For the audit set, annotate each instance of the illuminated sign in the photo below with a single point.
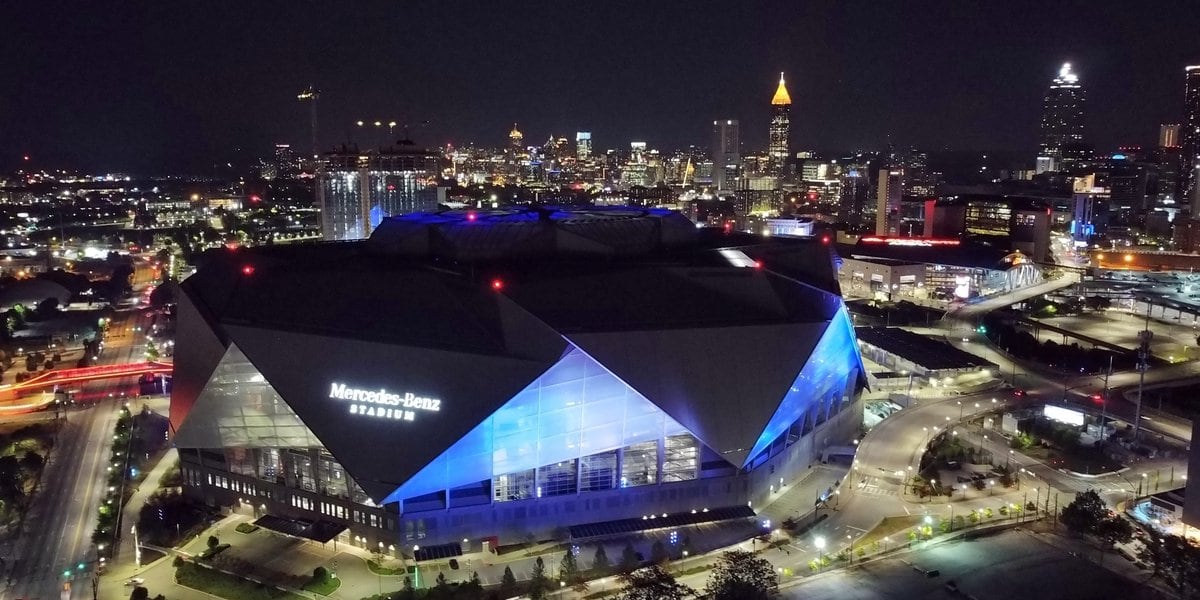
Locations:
(383, 404)
(1063, 415)
(922, 242)
(962, 286)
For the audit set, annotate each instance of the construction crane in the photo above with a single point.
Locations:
(310, 95)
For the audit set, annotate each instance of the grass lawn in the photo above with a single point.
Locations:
(228, 586)
(896, 528)
(246, 528)
(323, 588)
(149, 555)
(378, 569)
(215, 550)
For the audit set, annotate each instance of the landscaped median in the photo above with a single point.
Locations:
(912, 529)
(225, 585)
(216, 572)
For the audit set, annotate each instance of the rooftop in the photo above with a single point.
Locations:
(930, 353)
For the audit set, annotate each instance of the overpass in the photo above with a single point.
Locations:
(989, 303)
(1038, 326)
(46, 380)
(58, 377)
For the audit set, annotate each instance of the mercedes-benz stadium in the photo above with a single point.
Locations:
(497, 376)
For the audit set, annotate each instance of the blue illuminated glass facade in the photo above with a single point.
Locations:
(827, 380)
(576, 409)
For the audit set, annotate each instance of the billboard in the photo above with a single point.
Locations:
(1063, 415)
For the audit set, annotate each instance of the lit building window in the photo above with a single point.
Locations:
(514, 486)
(557, 479)
(598, 472)
(639, 464)
(680, 458)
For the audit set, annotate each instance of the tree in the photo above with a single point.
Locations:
(568, 572)
(1084, 513)
(32, 462)
(140, 593)
(441, 589)
(600, 564)
(474, 587)
(539, 584)
(213, 542)
(658, 553)
(741, 575)
(508, 584)
(10, 477)
(163, 294)
(320, 575)
(629, 559)
(652, 583)
(1021, 441)
(1114, 529)
(1176, 560)
(47, 308)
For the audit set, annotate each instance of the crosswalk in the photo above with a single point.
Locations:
(871, 489)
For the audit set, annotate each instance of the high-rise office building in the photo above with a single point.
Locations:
(887, 201)
(516, 139)
(726, 153)
(1168, 135)
(1190, 133)
(918, 179)
(1167, 158)
(583, 145)
(356, 191)
(1062, 119)
(781, 125)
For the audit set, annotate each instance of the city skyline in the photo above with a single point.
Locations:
(181, 89)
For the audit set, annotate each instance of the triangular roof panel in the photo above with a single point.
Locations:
(238, 408)
(722, 383)
(385, 411)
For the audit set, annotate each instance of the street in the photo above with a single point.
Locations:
(56, 536)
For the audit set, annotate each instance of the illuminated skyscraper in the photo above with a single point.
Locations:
(1168, 135)
(726, 154)
(1191, 129)
(356, 191)
(781, 125)
(888, 191)
(1062, 119)
(583, 145)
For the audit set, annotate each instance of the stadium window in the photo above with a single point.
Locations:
(557, 479)
(639, 465)
(598, 472)
(680, 458)
(513, 486)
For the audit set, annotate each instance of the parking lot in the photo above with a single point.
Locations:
(1003, 566)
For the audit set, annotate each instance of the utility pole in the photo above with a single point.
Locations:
(1143, 362)
(310, 95)
(1104, 406)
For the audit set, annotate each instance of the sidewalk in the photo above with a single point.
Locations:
(124, 555)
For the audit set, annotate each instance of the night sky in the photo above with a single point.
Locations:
(179, 86)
